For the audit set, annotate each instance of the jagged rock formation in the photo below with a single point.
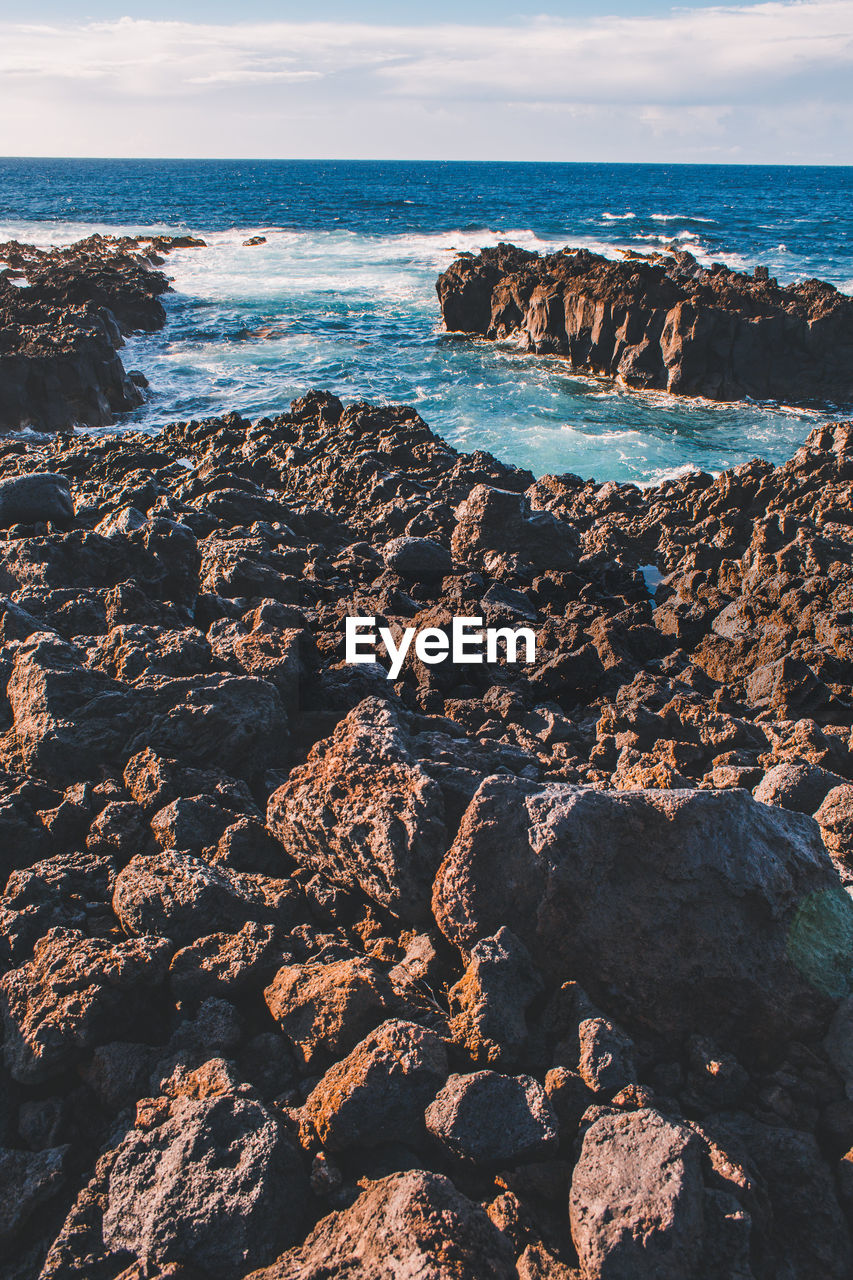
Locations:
(660, 321)
(495, 970)
(63, 314)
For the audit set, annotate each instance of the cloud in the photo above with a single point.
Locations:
(709, 71)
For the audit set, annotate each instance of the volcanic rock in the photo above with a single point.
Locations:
(59, 336)
(211, 1182)
(177, 896)
(164, 678)
(491, 1120)
(683, 904)
(407, 1225)
(35, 499)
(417, 557)
(606, 1060)
(27, 1180)
(660, 321)
(488, 1002)
(324, 1009)
(378, 1093)
(835, 818)
(363, 812)
(801, 787)
(637, 1199)
(74, 994)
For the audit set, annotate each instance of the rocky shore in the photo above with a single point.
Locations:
(64, 314)
(661, 321)
(504, 970)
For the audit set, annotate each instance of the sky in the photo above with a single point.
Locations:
(622, 80)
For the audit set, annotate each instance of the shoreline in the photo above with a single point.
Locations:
(533, 429)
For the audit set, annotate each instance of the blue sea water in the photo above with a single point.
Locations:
(342, 295)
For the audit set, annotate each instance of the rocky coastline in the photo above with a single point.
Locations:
(64, 315)
(660, 321)
(529, 971)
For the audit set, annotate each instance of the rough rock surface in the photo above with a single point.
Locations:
(683, 906)
(490, 1119)
(211, 1181)
(379, 1091)
(59, 336)
(73, 995)
(660, 320)
(410, 1225)
(219, 846)
(637, 1199)
(361, 809)
(325, 1009)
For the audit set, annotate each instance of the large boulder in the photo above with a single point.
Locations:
(412, 1226)
(27, 1180)
(35, 499)
(211, 1182)
(496, 520)
(379, 1092)
(326, 1008)
(365, 813)
(637, 1199)
(75, 994)
(682, 911)
(235, 723)
(179, 897)
(68, 722)
(488, 1002)
(490, 1120)
(835, 818)
(798, 785)
(417, 557)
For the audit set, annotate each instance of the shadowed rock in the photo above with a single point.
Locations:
(681, 903)
(660, 321)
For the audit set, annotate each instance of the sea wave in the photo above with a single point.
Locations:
(680, 217)
(355, 312)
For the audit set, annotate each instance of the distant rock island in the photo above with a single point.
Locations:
(661, 321)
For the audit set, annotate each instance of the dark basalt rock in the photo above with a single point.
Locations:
(660, 321)
(63, 317)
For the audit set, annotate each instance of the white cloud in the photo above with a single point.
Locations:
(706, 73)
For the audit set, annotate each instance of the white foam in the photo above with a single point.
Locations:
(679, 217)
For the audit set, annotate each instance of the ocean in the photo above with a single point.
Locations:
(342, 295)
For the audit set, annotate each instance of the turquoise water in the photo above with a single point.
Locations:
(342, 295)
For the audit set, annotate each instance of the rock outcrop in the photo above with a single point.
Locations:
(660, 321)
(64, 314)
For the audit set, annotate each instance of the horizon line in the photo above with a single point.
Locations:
(673, 164)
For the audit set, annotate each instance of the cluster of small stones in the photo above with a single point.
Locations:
(535, 971)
